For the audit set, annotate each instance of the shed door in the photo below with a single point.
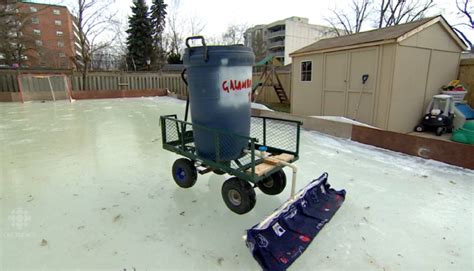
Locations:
(360, 97)
(343, 92)
(334, 87)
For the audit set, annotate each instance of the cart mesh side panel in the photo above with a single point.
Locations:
(273, 133)
(172, 134)
(256, 129)
(281, 134)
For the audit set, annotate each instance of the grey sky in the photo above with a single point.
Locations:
(217, 15)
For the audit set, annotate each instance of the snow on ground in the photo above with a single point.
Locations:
(260, 106)
(343, 119)
(87, 186)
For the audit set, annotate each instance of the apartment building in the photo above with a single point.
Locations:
(285, 36)
(40, 36)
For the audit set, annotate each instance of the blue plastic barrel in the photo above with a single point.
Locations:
(220, 88)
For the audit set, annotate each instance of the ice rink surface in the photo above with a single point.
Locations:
(87, 186)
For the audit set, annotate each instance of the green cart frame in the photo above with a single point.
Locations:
(269, 137)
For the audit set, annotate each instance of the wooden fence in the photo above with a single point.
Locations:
(97, 81)
(111, 81)
(267, 94)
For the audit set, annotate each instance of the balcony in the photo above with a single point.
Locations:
(276, 54)
(276, 44)
(279, 33)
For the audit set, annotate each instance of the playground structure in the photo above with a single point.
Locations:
(270, 78)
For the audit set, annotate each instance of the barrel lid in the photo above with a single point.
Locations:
(211, 55)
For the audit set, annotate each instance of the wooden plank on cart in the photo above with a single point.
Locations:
(275, 160)
(271, 162)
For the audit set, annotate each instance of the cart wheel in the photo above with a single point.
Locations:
(238, 195)
(184, 173)
(218, 172)
(274, 184)
(440, 131)
(419, 128)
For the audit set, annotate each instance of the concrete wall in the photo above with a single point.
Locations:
(428, 148)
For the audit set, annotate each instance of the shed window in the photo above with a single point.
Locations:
(306, 70)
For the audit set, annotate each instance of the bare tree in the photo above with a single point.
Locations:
(350, 21)
(465, 10)
(394, 12)
(180, 26)
(234, 34)
(383, 12)
(96, 24)
(196, 25)
(175, 29)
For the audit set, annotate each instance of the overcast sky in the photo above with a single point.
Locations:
(217, 15)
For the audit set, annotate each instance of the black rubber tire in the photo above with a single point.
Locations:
(440, 131)
(419, 128)
(238, 195)
(218, 172)
(184, 173)
(274, 184)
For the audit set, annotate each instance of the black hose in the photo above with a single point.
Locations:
(187, 95)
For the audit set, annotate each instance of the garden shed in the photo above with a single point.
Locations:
(406, 65)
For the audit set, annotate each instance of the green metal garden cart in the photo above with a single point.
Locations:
(273, 144)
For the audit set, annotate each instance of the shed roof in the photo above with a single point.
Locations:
(386, 34)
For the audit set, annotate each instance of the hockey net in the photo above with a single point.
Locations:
(44, 87)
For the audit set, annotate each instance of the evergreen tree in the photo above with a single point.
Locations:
(174, 58)
(139, 40)
(158, 15)
(258, 45)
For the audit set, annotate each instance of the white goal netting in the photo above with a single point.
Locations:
(49, 87)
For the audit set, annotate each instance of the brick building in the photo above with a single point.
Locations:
(44, 35)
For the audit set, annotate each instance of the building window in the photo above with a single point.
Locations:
(306, 70)
(62, 54)
(33, 9)
(36, 31)
(59, 33)
(35, 20)
(58, 22)
(60, 44)
(39, 43)
(56, 12)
